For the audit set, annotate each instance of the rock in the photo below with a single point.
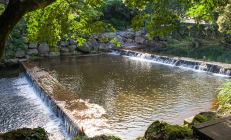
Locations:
(111, 36)
(130, 30)
(140, 33)
(188, 120)
(20, 53)
(33, 45)
(139, 40)
(129, 41)
(32, 52)
(10, 62)
(27, 57)
(121, 33)
(130, 35)
(64, 43)
(72, 48)
(162, 39)
(110, 45)
(103, 47)
(52, 54)
(93, 44)
(44, 49)
(120, 39)
(72, 41)
(163, 131)
(64, 50)
(84, 48)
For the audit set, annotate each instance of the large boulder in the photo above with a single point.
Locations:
(64, 43)
(72, 48)
(64, 50)
(110, 45)
(131, 35)
(120, 39)
(103, 47)
(33, 45)
(122, 34)
(129, 41)
(72, 41)
(84, 48)
(139, 40)
(140, 33)
(44, 49)
(32, 52)
(10, 62)
(93, 44)
(110, 36)
(53, 54)
(20, 53)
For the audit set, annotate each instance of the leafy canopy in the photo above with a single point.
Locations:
(81, 18)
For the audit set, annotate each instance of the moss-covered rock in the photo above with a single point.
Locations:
(199, 119)
(224, 111)
(163, 131)
(101, 137)
(25, 134)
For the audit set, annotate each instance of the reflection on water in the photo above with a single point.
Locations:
(133, 92)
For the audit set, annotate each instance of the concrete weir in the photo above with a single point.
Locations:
(211, 67)
(78, 115)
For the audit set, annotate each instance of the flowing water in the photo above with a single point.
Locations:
(21, 107)
(134, 92)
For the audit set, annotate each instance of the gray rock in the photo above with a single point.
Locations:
(130, 30)
(27, 57)
(20, 53)
(162, 39)
(93, 44)
(32, 52)
(139, 40)
(130, 35)
(120, 39)
(10, 62)
(122, 34)
(72, 48)
(44, 49)
(64, 43)
(72, 41)
(84, 48)
(110, 45)
(111, 36)
(33, 46)
(102, 47)
(129, 41)
(52, 54)
(64, 50)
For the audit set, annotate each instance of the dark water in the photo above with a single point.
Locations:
(134, 92)
(205, 54)
(21, 107)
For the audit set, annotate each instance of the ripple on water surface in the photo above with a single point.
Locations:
(21, 107)
(133, 92)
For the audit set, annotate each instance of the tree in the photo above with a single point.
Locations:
(48, 20)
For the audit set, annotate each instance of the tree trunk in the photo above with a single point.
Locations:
(15, 10)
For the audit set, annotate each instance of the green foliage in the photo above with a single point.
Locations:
(102, 137)
(225, 95)
(117, 14)
(2, 8)
(57, 20)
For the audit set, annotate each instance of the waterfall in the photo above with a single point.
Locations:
(71, 129)
(212, 67)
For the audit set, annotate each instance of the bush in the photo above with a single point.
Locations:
(225, 95)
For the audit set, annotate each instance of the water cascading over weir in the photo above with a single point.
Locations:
(194, 64)
(77, 115)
